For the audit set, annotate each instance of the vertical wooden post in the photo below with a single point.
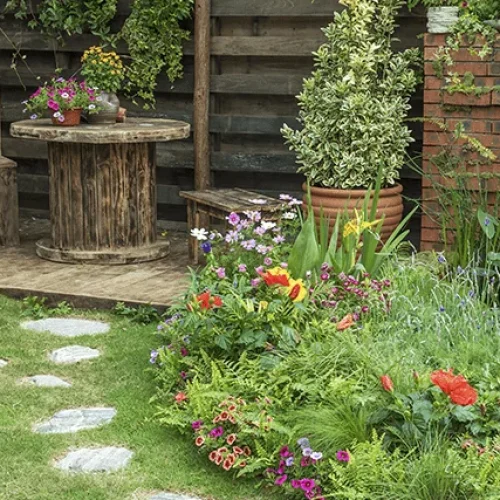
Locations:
(9, 209)
(201, 94)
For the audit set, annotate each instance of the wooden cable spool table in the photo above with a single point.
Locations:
(102, 190)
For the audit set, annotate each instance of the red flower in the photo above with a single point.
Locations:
(227, 464)
(224, 416)
(199, 441)
(218, 459)
(213, 456)
(231, 439)
(455, 386)
(237, 450)
(207, 301)
(276, 276)
(464, 395)
(386, 382)
(247, 451)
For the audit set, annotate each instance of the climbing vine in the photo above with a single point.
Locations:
(153, 32)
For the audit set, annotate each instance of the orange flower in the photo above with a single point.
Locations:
(213, 456)
(208, 301)
(386, 382)
(227, 464)
(455, 386)
(224, 416)
(237, 450)
(346, 322)
(232, 408)
(231, 439)
(199, 441)
(464, 395)
(180, 397)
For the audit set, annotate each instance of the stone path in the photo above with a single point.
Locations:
(82, 460)
(67, 327)
(76, 420)
(73, 354)
(46, 381)
(107, 459)
(3, 363)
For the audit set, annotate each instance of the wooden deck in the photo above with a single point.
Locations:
(158, 283)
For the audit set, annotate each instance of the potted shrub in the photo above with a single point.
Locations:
(103, 71)
(353, 110)
(64, 100)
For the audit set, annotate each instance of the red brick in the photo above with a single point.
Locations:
(433, 125)
(460, 99)
(464, 55)
(432, 96)
(433, 83)
(433, 40)
(476, 68)
(491, 113)
(430, 222)
(437, 138)
(429, 246)
(429, 69)
(430, 235)
(495, 98)
(470, 126)
(433, 111)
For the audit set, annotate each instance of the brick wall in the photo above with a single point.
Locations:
(480, 116)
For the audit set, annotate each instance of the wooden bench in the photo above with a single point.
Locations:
(9, 208)
(219, 203)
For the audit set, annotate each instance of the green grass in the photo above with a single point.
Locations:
(163, 460)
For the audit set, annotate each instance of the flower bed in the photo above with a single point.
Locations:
(332, 384)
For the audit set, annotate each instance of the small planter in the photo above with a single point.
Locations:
(441, 19)
(109, 114)
(336, 202)
(72, 118)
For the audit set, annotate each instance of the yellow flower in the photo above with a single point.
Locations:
(113, 72)
(358, 225)
(296, 290)
(263, 305)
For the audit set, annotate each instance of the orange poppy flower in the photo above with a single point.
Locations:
(346, 322)
(276, 276)
(208, 301)
(386, 382)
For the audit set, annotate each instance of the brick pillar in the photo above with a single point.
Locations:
(480, 115)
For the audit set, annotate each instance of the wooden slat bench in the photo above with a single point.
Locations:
(9, 208)
(219, 203)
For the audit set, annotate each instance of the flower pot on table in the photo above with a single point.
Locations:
(108, 115)
(70, 118)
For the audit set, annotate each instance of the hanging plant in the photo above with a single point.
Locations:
(154, 37)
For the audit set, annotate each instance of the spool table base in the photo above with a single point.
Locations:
(133, 255)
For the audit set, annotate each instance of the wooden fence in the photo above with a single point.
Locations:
(261, 51)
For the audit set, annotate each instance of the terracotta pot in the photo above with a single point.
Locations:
(338, 201)
(72, 118)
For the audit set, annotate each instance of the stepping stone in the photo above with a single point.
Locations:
(47, 381)
(3, 363)
(76, 420)
(106, 459)
(172, 496)
(67, 327)
(73, 354)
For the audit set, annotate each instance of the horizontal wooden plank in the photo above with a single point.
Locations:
(283, 8)
(273, 46)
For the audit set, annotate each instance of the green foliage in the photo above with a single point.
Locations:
(143, 315)
(353, 244)
(435, 3)
(154, 37)
(353, 107)
(35, 307)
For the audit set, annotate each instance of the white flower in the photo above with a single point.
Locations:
(199, 234)
(289, 215)
(57, 114)
(98, 98)
(294, 201)
(285, 197)
(91, 106)
(267, 225)
(65, 95)
(258, 201)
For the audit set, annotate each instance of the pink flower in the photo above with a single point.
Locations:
(295, 483)
(184, 352)
(53, 105)
(280, 480)
(285, 452)
(343, 456)
(307, 484)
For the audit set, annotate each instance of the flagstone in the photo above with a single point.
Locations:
(106, 459)
(73, 354)
(67, 327)
(70, 421)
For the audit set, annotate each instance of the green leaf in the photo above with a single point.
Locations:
(305, 254)
(488, 223)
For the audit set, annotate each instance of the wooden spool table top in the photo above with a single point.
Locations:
(134, 130)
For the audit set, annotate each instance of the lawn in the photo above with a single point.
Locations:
(119, 378)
